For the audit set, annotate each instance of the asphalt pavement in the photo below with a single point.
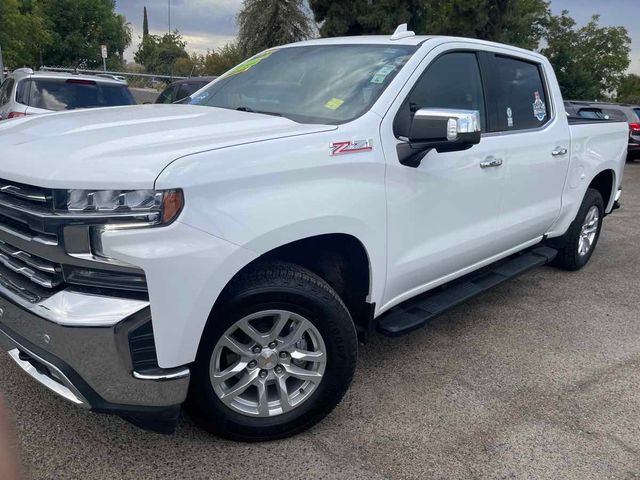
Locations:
(539, 378)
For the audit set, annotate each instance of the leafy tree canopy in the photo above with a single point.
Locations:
(223, 59)
(22, 33)
(268, 23)
(589, 61)
(362, 17)
(79, 27)
(515, 22)
(159, 53)
(629, 89)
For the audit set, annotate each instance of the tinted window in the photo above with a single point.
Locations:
(167, 95)
(521, 101)
(5, 91)
(328, 84)
(637, 110)
(593, 113)
(452, 81)
(611, 114)
(56, 95)
(187, 89)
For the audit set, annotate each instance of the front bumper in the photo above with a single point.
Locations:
(91, 366)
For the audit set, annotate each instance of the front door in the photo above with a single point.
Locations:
(442, 215)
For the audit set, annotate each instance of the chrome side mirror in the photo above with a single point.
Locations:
(445, 130)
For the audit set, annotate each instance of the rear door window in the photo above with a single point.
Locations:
(60, 94)
(520, 96)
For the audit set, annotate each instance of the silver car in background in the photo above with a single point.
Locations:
(26, 92)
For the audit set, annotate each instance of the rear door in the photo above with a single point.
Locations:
(534, 144)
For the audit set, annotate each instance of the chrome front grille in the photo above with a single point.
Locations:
(36, 195)
(44, 248)
(40, 271)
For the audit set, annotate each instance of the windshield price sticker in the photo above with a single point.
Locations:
(243, 67)
(334, 104)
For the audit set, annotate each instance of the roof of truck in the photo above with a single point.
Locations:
(409, 39)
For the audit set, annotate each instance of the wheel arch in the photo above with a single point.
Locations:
(340, 259)
(605, 183)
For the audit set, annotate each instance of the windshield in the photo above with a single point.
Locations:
(329, 84)
(60, 94)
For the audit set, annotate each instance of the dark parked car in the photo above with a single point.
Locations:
(183, 88)
(610, 111)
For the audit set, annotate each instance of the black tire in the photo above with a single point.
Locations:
(276, 285)
(568, 257)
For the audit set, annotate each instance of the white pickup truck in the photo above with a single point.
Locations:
(229, 253)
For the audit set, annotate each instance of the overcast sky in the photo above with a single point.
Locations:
(209, 24)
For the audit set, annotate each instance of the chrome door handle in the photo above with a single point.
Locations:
(559, 152)
(491, 162)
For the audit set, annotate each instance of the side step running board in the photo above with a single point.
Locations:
(417, 312)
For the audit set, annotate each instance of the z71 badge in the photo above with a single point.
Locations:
(356, 146)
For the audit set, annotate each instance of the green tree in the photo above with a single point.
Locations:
(515, 22)
(79, 27)
(159, 54)
(629, 89)
(268, 23)
(22, 33)
(589, 61)
(361, 17)
(225, 58)
(145, 24)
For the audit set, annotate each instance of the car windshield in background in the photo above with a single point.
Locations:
(328, 84)
(61, 94)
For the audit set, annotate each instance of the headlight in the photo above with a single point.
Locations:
(157, 207)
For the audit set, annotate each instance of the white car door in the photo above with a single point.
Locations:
(534, 138)
(442, 215)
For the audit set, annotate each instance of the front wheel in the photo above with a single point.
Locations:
(578, 244)
(276, 357)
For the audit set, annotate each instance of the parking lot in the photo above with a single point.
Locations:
(539, 378)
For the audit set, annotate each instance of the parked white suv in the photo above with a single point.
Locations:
(26, 92)
(231, 252)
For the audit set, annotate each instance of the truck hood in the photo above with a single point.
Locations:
(126, 147)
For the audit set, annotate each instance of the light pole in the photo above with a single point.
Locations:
(169, 5)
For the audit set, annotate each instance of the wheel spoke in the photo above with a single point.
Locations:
(281, 386)
(305, 356)
(296, 334)
(281, 321)
(230, 372)
(244, 383)
(255, 335)
(235, 346)
(302, 374)
(263, 405)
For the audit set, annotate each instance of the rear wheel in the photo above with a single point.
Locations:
(276, 358)
(578, 244)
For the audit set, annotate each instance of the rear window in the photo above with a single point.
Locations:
(637, 110)
(58, 95)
